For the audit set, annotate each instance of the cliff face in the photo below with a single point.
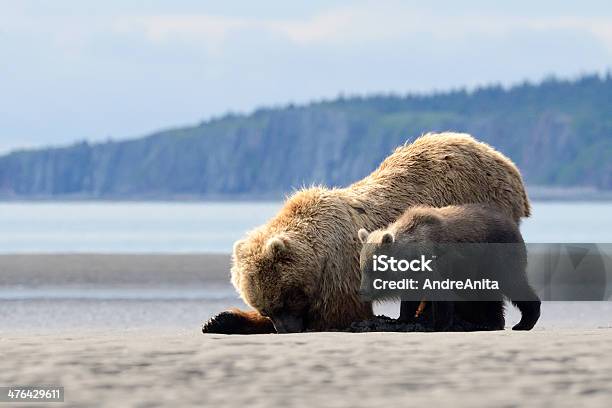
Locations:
(558, 133)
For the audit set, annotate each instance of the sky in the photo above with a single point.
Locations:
(115, 69)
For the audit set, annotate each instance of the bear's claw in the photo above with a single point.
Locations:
(238, 322)
(223, 323)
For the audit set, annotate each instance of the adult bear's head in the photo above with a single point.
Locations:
(301, 268)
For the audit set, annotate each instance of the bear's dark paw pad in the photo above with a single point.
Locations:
(224, 323)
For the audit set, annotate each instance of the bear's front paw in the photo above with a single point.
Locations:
(224, 323)
(238, 322)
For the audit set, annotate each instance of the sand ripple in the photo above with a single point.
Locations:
(146, 369)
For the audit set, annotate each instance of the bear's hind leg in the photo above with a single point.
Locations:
(530, 313)
(235, 321)
(529, 303)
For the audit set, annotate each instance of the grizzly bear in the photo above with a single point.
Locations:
(300, 271)
(470, 241)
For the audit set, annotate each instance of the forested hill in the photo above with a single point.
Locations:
(558, 132)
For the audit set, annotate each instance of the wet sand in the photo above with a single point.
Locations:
(113, 269)
(136, 343)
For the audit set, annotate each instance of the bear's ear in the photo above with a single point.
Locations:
(276, 245)
(363, 235)
(237, 251)
(387, 238)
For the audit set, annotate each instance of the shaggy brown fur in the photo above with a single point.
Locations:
(421, 227)
(301, 269)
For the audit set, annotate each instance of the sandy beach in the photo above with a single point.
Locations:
(149, 369)
(125, 331)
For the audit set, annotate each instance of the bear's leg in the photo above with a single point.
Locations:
(408, 309)
(529, 303)
(530, 313)
(237, 321)
(442, 314)
(529, 307)
(515, 286)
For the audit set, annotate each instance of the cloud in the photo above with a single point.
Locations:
(362, 22)
(323, 28)
(88, 71)
(365, 22)
(208, 29)
(598, 27)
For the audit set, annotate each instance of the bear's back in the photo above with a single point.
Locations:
(439, 169)
(461, 223)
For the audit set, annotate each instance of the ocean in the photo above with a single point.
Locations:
(169, 227)
(133, 300)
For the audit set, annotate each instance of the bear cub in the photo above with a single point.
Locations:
(448, 233)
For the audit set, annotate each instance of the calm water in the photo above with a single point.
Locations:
(206, 227)
(127, 227)
(213, 227)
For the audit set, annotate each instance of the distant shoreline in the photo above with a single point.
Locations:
(548, 193)
(536, 193)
